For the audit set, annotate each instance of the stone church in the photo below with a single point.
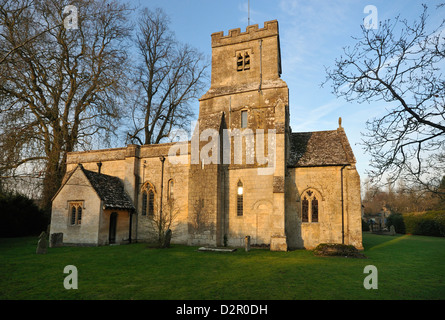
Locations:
(242, 173)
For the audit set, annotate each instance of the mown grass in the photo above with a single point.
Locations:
(409, 267)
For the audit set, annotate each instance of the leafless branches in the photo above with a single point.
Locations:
(400, 64)
(169, 77)
(163, 221)
(61, 89)
(58, 87)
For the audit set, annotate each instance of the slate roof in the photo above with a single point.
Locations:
(320, 148)
(110, 190)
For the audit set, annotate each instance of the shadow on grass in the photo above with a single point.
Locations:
(371, 243)
(391, 240)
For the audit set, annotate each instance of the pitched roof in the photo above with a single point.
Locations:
(320, 148)
(109, 189)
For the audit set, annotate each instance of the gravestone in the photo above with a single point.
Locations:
(168, 237)
(42, 245)
(392, 231)
(247, 243)
(56, 240)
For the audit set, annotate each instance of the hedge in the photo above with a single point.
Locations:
(431, 223)
(20, 216)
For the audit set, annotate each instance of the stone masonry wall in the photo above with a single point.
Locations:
(77, 190)
(326, 183)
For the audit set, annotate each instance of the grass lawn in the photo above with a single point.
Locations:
(409, 267)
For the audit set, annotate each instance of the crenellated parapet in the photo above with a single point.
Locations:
(252, 32)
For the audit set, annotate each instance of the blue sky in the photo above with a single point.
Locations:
(312, 35)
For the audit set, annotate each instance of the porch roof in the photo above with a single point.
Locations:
(110, 190)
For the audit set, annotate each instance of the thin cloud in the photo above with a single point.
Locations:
(317, 117)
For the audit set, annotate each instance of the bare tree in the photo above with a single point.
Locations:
(169, 77)
(399, 199)
(11, 12)
(163, 221)
(200, 218)
(61, 88)
(401, 64)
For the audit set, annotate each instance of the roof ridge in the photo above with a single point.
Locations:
(299, 132)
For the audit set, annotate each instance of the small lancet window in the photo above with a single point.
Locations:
(151, 197)
(314, 209)
(244, 119)
(305, 210)
(79, 215)
(144, 203)
(170, 189)
(239, 199)
(73, 215)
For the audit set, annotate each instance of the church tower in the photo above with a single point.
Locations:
(237, 184)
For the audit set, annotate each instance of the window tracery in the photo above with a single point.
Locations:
(310, 206)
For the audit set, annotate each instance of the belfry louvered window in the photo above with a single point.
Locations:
(243, 60)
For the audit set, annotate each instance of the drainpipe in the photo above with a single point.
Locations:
(342, 208)
(162, 158)
(137, 193)
(261, 64)
(131, 223)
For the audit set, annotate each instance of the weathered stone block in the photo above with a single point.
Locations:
(42, 245)
(278, 243)
(56, 240)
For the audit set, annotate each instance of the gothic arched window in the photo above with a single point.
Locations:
(148, 196)
(310, 208)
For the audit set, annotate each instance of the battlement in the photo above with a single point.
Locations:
(252, 33)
